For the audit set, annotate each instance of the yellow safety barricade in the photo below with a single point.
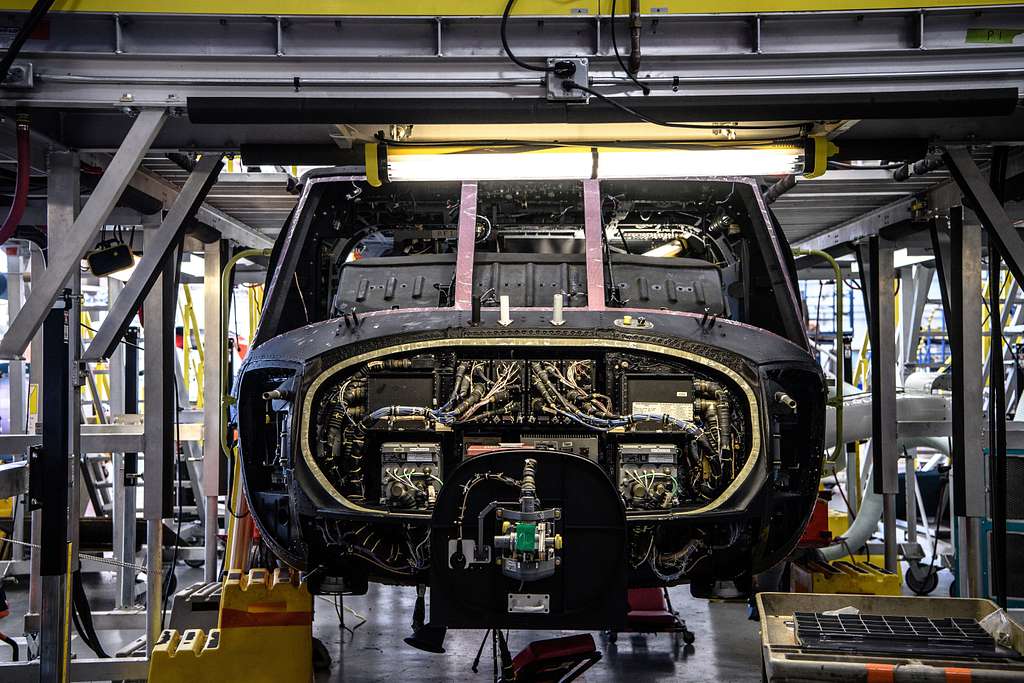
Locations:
(264, 634)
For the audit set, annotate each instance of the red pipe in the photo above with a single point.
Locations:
(17, 209)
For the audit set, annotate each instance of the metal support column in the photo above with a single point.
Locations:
(16, 369)
(35, 382)
(126, 478)
(17, 405)
(159, 462)
(54, 488)
(964, 323)
(997, 399)
(213, 345)
(883, 388)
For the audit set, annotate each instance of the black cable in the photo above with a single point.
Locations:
(657, 122)
(508, 50)
(122, 341)
(81, 614)
(39, 10)
(632, 145)
(615, 46)
(177, 533)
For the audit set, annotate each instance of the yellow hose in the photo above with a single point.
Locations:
(225, 307)
(838, 400)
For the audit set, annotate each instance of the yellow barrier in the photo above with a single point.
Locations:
(842, 576)
(264, 635)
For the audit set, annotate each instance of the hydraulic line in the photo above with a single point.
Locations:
(225, 304)
(838, 400)
(17, 210)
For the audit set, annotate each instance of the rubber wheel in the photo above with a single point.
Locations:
(689, 637)
(922, 585)
(321, 657)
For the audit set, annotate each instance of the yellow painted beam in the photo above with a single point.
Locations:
(492, 8)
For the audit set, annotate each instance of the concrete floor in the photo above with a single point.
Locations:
(727, 646)
(726, 649)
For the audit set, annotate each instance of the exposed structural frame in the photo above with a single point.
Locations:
(877, 278)
(900, 214)
(158, 249)
(83, 233)
(127, 59)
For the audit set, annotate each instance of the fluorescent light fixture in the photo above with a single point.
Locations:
(454, 163)
(521, 162)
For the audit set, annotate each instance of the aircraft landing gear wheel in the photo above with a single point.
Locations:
(922, 579)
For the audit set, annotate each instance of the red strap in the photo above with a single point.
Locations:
(881, 673)
(236, 618)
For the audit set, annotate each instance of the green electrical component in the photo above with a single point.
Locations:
(526, 537)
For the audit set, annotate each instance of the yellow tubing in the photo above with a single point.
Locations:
(225, 306)
(838, 400)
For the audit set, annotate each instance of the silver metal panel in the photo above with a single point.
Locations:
(13, 479)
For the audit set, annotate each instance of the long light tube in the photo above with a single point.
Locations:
(579, 163)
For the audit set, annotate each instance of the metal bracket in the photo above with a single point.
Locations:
(556, 90)
(35, 478)
(20, 76)
(529, 603)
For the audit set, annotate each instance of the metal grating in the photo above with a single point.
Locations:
(839, 196)
(897, 634)
(260, 200)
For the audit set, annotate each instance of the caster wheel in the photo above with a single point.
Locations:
(923, 580)
(689, 637)
(321, 657)
(613, 637)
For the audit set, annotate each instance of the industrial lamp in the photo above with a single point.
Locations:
(111, 258)
(550, 162)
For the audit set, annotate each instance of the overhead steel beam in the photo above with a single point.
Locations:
(871, 223)
(158, 248)
(827, 55)
(35, 214)
(83, 233)
(988, 208)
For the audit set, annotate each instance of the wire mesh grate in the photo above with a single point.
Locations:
(897, 634)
